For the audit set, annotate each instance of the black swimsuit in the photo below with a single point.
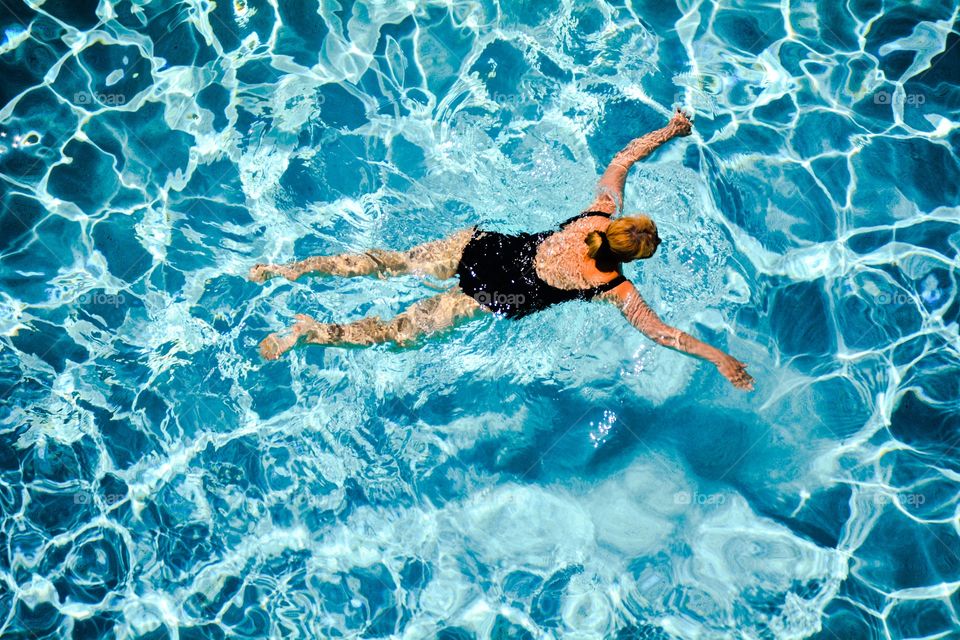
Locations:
(498, 271)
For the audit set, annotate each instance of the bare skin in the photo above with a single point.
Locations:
(562, 261)
(436, 259)
(426, 316)
(641, 316)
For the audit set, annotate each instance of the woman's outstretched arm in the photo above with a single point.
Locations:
(641, 316)
(610, 188)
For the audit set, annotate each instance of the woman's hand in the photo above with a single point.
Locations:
(736, 372)
(680, 124)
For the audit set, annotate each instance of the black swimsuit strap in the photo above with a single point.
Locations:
(585, 214)
(606, 286)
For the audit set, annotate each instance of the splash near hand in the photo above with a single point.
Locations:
(680, 123)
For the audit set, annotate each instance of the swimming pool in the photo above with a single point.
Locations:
(560, 476)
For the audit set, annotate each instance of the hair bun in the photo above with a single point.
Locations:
(595, 241)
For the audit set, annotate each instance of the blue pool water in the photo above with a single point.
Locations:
(556, 477)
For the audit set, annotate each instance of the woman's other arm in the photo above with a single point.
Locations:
(610, 188)
(641, 316)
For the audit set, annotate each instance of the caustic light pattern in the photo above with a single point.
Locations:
(555, 477)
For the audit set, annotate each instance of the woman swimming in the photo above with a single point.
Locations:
(512, 275)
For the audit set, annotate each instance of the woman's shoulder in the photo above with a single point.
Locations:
(618, 289)
(584, 214)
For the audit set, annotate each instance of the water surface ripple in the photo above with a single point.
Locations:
(558, 477)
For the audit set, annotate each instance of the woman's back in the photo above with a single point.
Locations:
(502, 272)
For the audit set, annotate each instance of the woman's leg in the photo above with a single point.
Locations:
(438, 259)
(421, 318)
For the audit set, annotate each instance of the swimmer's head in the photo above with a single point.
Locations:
(626, 239)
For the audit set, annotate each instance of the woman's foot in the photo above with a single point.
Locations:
(263, 272)
(275, 345)
(305, 328)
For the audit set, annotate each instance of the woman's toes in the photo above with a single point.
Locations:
(264, 272)
(275, 345)
(270, 348)
(257, 273)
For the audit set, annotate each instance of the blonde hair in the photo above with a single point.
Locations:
(625, 239)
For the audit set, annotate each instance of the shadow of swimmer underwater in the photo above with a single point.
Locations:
(512, 275)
